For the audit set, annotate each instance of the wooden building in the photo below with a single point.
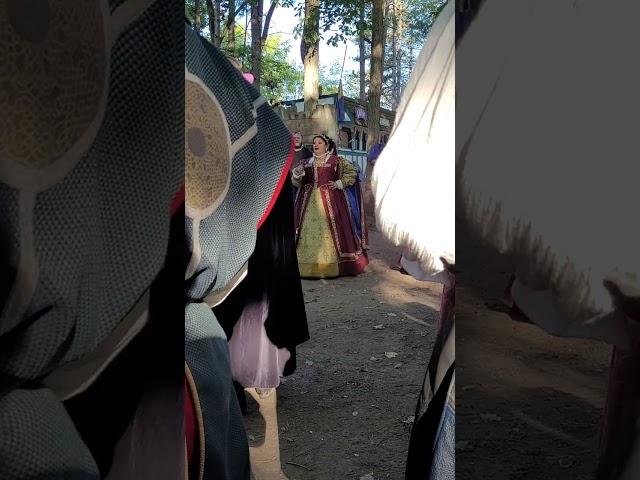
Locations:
(349, 134)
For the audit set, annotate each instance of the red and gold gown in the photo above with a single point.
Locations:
(327, 241)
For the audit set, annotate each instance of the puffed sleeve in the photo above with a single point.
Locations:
(349, 174)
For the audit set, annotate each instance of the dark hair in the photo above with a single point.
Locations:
(324, 138)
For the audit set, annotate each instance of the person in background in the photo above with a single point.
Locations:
(355, 199)
(326, 239)
(301, 153)
(375, 151)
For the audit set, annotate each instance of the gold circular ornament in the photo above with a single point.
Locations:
(207, 149)
(53, 77)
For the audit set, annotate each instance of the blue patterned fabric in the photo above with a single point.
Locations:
(354, 196)
(444, 456)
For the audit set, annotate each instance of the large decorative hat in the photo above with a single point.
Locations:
(236, 152)
(91, 158)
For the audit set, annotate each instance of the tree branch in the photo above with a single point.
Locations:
(267, 20)
(239, 10)
(197, 21)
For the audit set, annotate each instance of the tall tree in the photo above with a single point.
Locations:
(375, 84)
(363, 54)
(213, 9)
(375, 91)
(267, 20)
(197, 23)
(397, 22)
(256, 40)
(310, 53)
(231, 26)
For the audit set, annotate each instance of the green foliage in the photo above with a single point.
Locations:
(340, 21)
(280, 80)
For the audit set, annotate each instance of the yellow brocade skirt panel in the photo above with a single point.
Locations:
(317, 255)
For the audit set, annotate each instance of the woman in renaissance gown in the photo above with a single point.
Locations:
(328, 244)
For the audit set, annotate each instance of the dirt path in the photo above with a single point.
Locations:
(528, 405)
(342, 414)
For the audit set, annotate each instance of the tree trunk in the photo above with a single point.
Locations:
(310, 47)
(231, 26)
(267, 21)
(410, 58)
(394, 48)
(375, 83)
(363, 56)
(375, 90)
(256, 40)
(246, 29)
(197, 23)
(213, 9)
(398, 36)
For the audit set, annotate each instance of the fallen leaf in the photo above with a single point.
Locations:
(391, 315)
(368, 476)
(409, 420)
(355, 414)
(378, 327)
(390, 354)
(373, 359)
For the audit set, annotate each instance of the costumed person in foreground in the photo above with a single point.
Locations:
(327, 241)
(264, 319)
(575, 262)
(91, 241)
(422, 221)
(232, 188)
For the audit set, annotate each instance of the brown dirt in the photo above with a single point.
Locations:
(319, 429)
(528, 404)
